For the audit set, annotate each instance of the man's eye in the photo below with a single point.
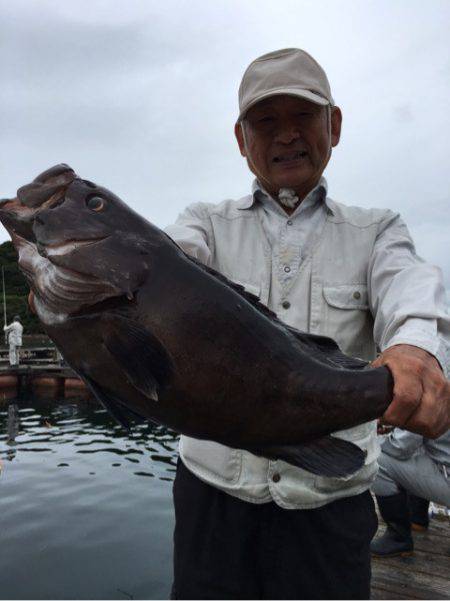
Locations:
(266, 119)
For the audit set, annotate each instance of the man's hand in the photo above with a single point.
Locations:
(421, 401)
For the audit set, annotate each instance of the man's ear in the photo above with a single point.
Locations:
(336, 125)
(240, 138)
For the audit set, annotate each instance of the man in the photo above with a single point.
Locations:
(14, 332)
(409, 463)
(247, 527)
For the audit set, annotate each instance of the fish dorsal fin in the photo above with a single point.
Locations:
(141, 356)
(327, 456)
(322, 348)
(251, 298)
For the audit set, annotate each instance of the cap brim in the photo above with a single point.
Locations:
(305, 94)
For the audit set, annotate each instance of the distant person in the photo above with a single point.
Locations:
(409, 463)
(14, 332)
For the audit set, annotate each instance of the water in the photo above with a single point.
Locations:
(85, 509)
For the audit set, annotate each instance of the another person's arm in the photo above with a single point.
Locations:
(412, 329)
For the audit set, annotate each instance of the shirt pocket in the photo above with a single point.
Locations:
(347, 319)
(347, 296)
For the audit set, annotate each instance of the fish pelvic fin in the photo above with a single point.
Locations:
(145, 362)
(328, 456)
(124, 416)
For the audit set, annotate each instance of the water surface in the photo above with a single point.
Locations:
(85, 508)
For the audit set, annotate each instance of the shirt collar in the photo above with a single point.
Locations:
(258, 192)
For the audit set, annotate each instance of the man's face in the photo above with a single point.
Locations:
(288, 142)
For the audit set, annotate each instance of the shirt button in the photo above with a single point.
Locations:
(289, 221)
(357, 295)
(285, 304)
(287, 269)
(276, 478)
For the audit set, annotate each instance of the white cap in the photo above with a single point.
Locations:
(289, 71)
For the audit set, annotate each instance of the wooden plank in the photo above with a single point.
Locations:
(378, 592)
(420, 562)
(416, 585)
(424, 575)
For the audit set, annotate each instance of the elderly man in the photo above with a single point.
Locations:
(247, 527)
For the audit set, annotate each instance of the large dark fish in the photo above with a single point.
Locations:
(158, 335)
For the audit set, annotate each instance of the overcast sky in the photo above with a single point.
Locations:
(141, 96)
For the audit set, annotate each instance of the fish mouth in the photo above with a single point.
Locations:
(60, 292)
(61, 249)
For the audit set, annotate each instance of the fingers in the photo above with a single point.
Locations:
(431, 418)
(408, 390)
(421, 400)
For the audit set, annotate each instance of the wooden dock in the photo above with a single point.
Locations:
(40, 367)
(424, 575)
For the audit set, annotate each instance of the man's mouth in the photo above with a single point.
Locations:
(288, 157)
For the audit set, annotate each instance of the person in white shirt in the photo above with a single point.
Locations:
(248, 527)
(14, 333)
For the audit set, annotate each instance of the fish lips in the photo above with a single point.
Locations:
(47, 184)
(17, 219)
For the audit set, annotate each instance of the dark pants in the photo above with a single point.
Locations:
(229, 549)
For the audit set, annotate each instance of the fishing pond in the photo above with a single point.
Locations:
(85, 507)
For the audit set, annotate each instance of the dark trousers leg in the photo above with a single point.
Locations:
(214, 542)
(225, 548)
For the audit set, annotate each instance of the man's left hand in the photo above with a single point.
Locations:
(421, 400)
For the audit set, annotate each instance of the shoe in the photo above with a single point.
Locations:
(397, 539)
(418, 511)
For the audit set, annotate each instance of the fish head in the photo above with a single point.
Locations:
(78, 243)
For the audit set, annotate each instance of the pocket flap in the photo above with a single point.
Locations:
(348, 296)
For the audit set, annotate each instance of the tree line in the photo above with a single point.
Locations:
(16, 291)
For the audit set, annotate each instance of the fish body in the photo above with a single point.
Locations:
(158, 335)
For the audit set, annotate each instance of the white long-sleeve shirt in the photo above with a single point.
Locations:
(346, 272)
(14, 331)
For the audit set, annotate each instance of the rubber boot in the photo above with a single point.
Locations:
(397, 539)
(418, 511)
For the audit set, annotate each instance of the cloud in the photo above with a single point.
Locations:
(142, 98)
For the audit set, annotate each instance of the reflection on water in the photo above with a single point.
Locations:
(85, 507)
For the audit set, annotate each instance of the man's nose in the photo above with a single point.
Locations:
(287, 133)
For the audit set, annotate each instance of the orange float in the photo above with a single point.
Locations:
(75, 387)
(8, 381)
(45, 382)
(8, 387)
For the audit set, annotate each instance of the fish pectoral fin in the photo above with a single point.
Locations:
(141, 356)
(122, 414)
(328, 456)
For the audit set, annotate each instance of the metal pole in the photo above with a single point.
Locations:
(4, 302)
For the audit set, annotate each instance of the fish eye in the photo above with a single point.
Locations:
(95, 203)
